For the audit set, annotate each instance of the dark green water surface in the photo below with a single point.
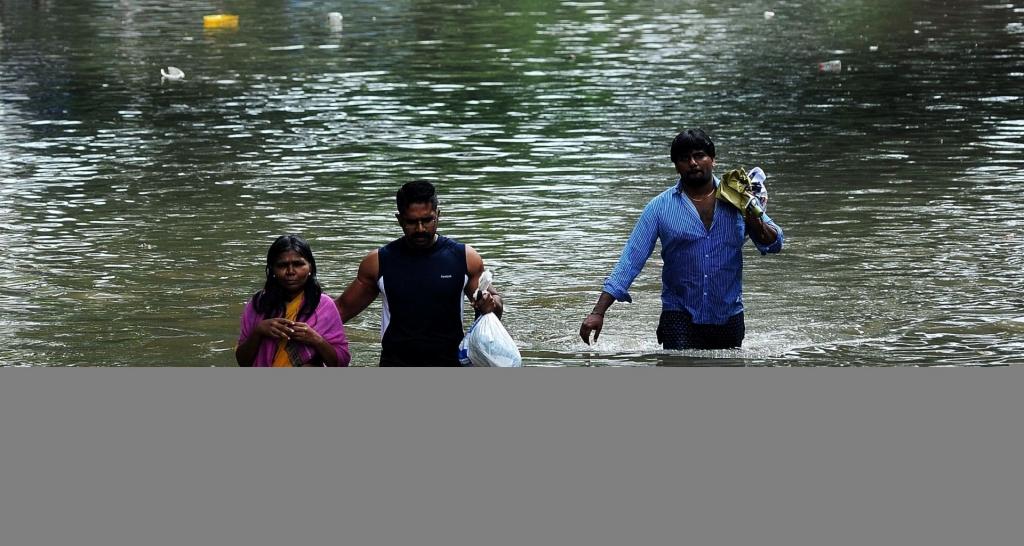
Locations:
(135, 212)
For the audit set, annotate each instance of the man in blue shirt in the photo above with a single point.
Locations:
(701, 246)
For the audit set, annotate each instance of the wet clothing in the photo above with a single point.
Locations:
(423, 293)
(703, 268)
(677, 331)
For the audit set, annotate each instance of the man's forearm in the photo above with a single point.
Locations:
(762, 231)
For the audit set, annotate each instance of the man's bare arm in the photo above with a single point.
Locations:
(491, 301)
(362, 291)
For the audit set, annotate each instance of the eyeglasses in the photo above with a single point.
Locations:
(425, 222)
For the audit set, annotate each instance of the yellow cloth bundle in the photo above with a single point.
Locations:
(735, 189)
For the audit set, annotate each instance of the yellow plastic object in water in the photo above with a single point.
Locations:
(220, 21)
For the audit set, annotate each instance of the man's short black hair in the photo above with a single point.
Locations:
(417, 191)
(690, 140)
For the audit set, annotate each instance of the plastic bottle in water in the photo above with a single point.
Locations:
(335, 19)
(830, 66)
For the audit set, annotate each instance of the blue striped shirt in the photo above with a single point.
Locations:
(703, 271)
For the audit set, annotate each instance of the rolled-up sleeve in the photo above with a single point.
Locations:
(776, 246)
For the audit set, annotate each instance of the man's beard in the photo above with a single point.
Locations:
(695, 182)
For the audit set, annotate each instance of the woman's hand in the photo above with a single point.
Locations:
(276, 328)
(279, 328)
(304, 333)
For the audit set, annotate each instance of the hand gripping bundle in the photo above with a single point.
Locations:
(487, 343)
(744, 190)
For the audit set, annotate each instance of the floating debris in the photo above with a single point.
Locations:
(172, 73)
(220, 21)
(830, 66)
(335, 19)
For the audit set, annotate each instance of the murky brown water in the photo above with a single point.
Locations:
(135, 212)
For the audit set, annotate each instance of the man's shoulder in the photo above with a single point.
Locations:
(398, 247)
(665, 197)
(443, 240)
(393, 247)
(670, 192)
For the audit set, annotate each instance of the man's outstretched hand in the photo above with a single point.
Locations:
(593, 323)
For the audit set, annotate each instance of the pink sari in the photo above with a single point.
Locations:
(325, 321)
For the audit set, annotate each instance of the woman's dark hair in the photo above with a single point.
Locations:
(272, 300)
(690, 140)
(417, 191)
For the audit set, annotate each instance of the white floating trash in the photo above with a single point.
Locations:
(172, 73)
(335, 19)
(830, 66)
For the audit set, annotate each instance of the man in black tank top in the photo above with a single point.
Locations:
(423, 277)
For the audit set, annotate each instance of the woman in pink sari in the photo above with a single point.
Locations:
(291, 323)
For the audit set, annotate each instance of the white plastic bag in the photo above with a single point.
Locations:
(487, 343)
(758, 187)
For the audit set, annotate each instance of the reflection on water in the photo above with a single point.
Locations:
(135, 212)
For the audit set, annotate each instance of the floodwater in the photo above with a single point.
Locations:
(135, 211)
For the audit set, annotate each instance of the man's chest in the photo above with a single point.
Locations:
(706, 211)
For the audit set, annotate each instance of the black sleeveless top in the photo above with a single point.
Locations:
(423, 303)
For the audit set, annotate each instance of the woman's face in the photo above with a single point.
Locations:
(291, 271)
